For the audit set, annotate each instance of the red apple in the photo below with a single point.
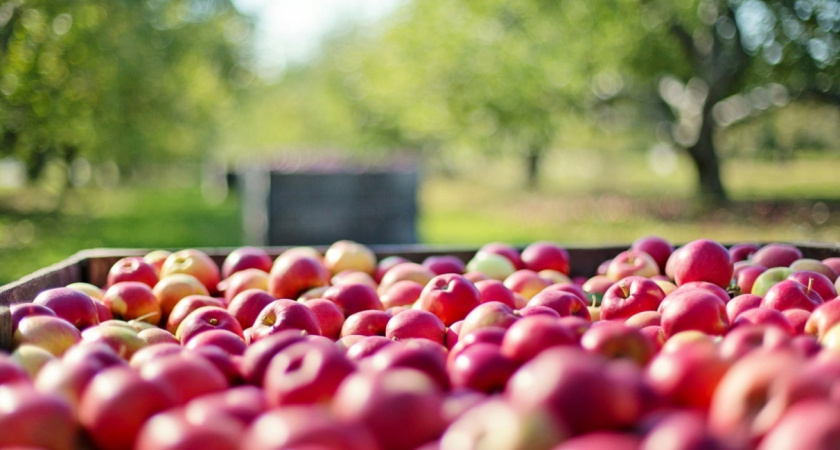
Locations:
(305, 372)
(187, 305)
(531, 335)
(171, 289)
(283, 314)
(681, 430)
(490, 314)
(248, 304)
(565, 303)
(819, 417)
(69, 304)
(348, 255)
(546, 255)
(687, 375)
(740, 304)
(207, 318)
(629, 296)
(30, 419)
(644, 319)
(371, 322)
(153, 336)
(156, 258)
(243, 258)
(450, 297)
(798, 318)
(495, 291)
(186, 375)
(121, 337)
(415, 323)
(814, 265)
(746, 276)
(242, 404)
(67, 379)
(385, 264)
(419, 354)
(816, 281)
(401, 293)
(226, 340)
(823, 318)
(749, 337)
(481, 367)
(132, 268)
(293, 275)
(615, 340)
(354, 297)
(776, 255)
(366, 346)
(657, 247)
(305, 427)
(790, 294)
(130, 300)
(742, 252)
(693, 309)
(764, 316)
(11, 372)
(258, 355)
(702, 260)
(330, 318)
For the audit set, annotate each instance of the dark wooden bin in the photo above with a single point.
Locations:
(92, 266)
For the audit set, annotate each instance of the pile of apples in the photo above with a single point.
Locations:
(701, 346)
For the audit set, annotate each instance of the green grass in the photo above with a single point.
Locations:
(584, 200)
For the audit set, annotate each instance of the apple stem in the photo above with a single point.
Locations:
(144, 316)
(624, 289)
(810, 285)
(630, 257)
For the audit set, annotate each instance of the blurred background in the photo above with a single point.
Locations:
(218, 123)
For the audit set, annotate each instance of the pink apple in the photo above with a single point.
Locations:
(154, 336)
(441, 264)
(526, 283)
(702, 260)
(495, 291)
(226, 340)
(823, 318)
(776, 255)
(565, 303)
(405, 271)
(632, 263)
(687, 375)
(450, 297)
(815, 281)
(353, 297)
(401, 293)
(413, 324)
(330, 318)
(258, 355)
(629, 296)
(742, 252)
(292, 275)
(814, 265)
(531, 335)
(120, 336)
(798, 318)
(385, 264)
(283, 314)
(614, 340)
(819, 417)
(20, 310)
(481, 367)
(419, 354)
(133, 268)
(186, 375)
(657, 247)
(493, 423)
(243, 258)
(187, 305)
(366, 346)
(243, 280)
(764, 316)
(749, 337)
(248, 304)
(69, 304)
(304, 373)
(789, 294)
(156, 258)
(740, 304)
(241, 404)
(490, 314)
(371, 322)
(694, 309)
(207, 318)
(175, 429)
(305, 426)
(31, 419)
(542, 255)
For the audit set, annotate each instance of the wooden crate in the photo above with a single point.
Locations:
(92, 266)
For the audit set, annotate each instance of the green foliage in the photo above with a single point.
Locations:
(118, 80)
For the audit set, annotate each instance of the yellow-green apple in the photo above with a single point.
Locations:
(481, 367)
(94, 292)
(121, 337)
(441, 264)
(489, 314)
(577, 388)
(491, 265)
(132, 268)
(130, 300)
(377, 401)
(71, 305)
(493, 423)
(156, 258)
(694, 309)
(156, 335)
(564, 302)
(815, 265)
(401, 293)
(789, 294)
(32, 419)
(657, 247)
(196, 263)
(742, 251)
(415, 324)
(349, 255)
(248, 304)
(292, 275)
(259, 353)
(768, 278)
(226, 340)
(283, 314)
(629, 296)
(614, 340)
(305, 372)
(702, 260)
(366, 346)
(243, 280)
(353, 297)
(185, 375)
(53, 334)
(542, 255)
(687, 375)
(370, 322)
(385, 264)
(817, 282)
(631, 263)
(329, 316)
(246, 258)
(305, 426)
(116, 403)
(171, 289)
(741, 303)
(208, 318)
(526, 283)
(531, 335)
(764, 316)
(174, 429)
(749, 337)
(776, 255)
(508, 251)
(187, 305)
(450, 297)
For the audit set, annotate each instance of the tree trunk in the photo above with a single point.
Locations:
(533, 159)
(707, 163)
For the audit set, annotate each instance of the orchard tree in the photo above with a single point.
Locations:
(117, 80)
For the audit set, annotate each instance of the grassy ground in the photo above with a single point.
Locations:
(591, 200)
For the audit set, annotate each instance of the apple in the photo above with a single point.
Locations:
(353, 297)
(96, 351)
(542, 255)
(490, 314)
(258, 355)
(132, 268)
(117, 402)
(242, 404)
(798, 318)
(768, 278)
(292, 275)
(175, 429)
(153, 336)
(187, 305)
(283, 314)
(129, 300)
(644, 319)
(149, 353)
(595, 287)
(11, 372)
(156, 258)
(694, 309)
(186, 376)
(382, 402)
(226, 340)
(577, 388)
(366, 346)
(243, 258)
(819, 417)
(305, 426)
(632, 263)
(330, 318)
(487, 335)
(741, 303)
(67, 379)
(815, 265)
(370, 322)
(776, 255)
(687, 375)
(53, 334)
(386, 264)
(353, 276)
(172, 288)
(702, 260)
(681, 430)
(491, 265)
(502, 249)
(305, 372)
(196, 263)
(823, 318)
(531, 335)
(401, 293)
(749, 337)
(450, 297)
(208, 318)
(790, 294)
(555, 277)
(242, 281)
(629, 296)
(742, 251)
(526, 283)
(248, 304)
(349, 255)
(441, 264)
(495, 290)
(20, 310)
(817, 282)
(415, 324)
(121, 337)
(69, 304)
(615, 340)
(746, 276)
(657, 247)
(419, 354)
(764, 316)
(565, 303)
(31, 358)
(94, 292)
(31, 419)
(481, 367)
